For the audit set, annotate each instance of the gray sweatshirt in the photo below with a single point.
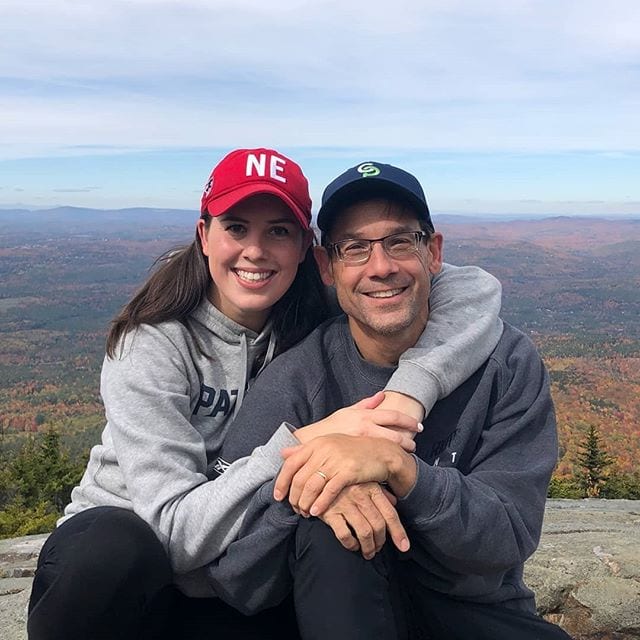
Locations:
(169, 409)
(484, 462)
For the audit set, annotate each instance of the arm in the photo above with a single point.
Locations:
(463, 329)
(484, 521)
(489, 519)
(253, 574)
(162, 458)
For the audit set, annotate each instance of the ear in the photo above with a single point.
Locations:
(434, 247)
(324, 265)
(204, 236)
(307, 241)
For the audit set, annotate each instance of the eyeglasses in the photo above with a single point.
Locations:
(397, 245)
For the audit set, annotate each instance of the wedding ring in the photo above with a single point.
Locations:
(322, 475)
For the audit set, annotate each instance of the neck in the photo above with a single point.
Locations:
(383, 350)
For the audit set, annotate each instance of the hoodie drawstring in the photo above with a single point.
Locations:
(244, 356)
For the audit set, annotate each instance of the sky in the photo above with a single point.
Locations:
(500, 106)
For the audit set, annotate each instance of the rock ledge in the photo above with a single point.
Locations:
(586, 571)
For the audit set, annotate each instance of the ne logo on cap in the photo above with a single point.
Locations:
(368, 170)
(259, 165)
(208, 187)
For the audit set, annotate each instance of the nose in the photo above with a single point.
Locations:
(380, 264)
(254, 248)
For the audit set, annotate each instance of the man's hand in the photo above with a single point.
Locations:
(368, 418)
(361, 516)
(315, 473)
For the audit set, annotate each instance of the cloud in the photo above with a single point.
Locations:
(440, 75)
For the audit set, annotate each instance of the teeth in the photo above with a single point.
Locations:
(384, 294)
(253, 276)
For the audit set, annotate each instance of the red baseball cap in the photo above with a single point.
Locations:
(246, 172)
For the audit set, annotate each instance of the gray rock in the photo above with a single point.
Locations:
(586, 571)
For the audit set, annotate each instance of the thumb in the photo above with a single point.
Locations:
(289, 451)
(371, 402)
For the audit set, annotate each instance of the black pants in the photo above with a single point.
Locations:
(341, 596)
(103, 575)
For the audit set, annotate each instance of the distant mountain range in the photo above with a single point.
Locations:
(73, 220)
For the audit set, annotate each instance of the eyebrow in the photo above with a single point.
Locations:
(273, 221)
(352, 235)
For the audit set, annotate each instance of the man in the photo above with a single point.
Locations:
(468, 505)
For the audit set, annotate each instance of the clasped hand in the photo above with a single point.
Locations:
(361, 516)
(335, 473)
(366, 418)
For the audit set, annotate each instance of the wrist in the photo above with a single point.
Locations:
(403, 403)
(403, 472)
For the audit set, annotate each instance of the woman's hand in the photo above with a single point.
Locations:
(362, 515)
(314, 473)
(365, 419)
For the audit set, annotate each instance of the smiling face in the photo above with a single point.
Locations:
(253, 252)
(386, 299)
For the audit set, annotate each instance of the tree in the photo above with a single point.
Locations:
(35, 484)
(622, 485)
(593, 461)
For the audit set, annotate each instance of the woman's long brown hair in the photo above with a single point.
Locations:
(181, 279)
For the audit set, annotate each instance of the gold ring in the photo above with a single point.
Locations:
(322, 475)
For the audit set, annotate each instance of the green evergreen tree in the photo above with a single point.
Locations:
(35, 485)
(564, 488)
(621, 485)
(593, 461)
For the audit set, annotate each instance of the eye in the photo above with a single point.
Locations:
(400, 244)
(353, 247)
(236, 229)
(280, 232)
(400, 241)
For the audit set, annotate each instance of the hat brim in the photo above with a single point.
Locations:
(220, 205)
(364, 189)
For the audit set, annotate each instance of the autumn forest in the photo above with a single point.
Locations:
(572, 284)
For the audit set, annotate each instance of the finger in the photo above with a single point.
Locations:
(404, 439)
(363, 531)
(397, 532)
(376, 523)
(408, 444)
(396, 420)
(371, 402)
(342, 532)
(389, 496)
(329, 493)
(305, 488)
(288, 470)
(289, 451)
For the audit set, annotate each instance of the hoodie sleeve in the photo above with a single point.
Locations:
(254, 574)
(487, 520)
(462, 331)
(162, 458)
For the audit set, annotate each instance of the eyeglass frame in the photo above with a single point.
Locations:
(418, 235)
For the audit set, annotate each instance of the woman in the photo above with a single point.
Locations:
(180, 357)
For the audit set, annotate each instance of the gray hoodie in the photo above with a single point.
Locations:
(169, 406)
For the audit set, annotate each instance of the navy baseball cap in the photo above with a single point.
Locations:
(370, 180)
